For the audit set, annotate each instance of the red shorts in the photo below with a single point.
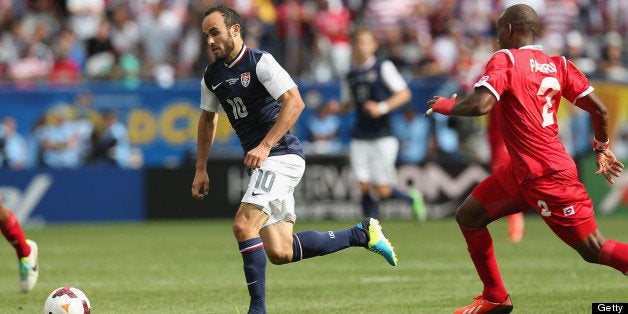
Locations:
(559, 197)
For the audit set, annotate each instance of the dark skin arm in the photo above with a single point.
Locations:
(607, 163)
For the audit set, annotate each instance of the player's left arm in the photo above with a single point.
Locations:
(280, 86)
(577, 90)
(291, 108)
(607, 163)
(401, 94)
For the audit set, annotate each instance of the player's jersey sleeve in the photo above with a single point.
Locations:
(392, 78)
(208, 99)
(496, 76)
(274, 78)
(575, 83)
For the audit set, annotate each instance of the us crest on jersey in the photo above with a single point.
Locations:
(245, 79)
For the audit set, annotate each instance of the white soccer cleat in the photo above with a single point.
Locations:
(29, 271)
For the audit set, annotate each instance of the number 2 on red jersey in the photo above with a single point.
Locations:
(549, 87)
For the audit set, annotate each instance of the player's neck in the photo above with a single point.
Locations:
(236, 52)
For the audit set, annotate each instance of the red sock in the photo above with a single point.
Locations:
(480, 246)
(615, 254)
(13, 233)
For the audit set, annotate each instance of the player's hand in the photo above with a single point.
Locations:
(443, 106)
(200, 185)
(372, 109)
(607, 165)
(256, 156)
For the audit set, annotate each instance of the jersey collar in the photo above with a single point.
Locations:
(238, 58)
(368, 63)
(533, 47)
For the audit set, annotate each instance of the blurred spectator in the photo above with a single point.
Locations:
(557, 19)
(620, 143)
(444, 52)
(611, 65)
(13, 43)
(111, 144)
(60, 141)
(85, 17)
(293, 20)
(66, 68)
(323, 128)
(413, 132)
(189, 45)
(100, 54)
(42, 14)
(13, 147)
(124, 31)
(160, 28)
(618, 16)
(384, 17)
(332, 25)
(576, 53)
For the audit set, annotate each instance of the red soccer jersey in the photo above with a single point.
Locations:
(529, 84)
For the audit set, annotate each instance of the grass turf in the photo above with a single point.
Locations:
(194, 267)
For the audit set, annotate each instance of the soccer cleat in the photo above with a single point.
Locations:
(515, 227)
(28, 268)
(480, 305)
(418, 205)
(377, 241)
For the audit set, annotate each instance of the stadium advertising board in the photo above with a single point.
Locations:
(85, 195)
(328, 190)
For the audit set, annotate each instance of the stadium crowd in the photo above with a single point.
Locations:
(61, 41)
(71, 41)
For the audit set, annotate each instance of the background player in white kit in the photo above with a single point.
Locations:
(262, 103)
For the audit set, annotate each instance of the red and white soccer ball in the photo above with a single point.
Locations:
(67, 300)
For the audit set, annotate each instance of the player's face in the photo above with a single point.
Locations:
(219, 37)
(364, 46)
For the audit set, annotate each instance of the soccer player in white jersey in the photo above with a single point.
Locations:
(262, 103)
(374, 88)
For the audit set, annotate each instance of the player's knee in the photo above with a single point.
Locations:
(471, 217)
(278, 256)
(242, 231)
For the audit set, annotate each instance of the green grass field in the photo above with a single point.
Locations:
(194, 267)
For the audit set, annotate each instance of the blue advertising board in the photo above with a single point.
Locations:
(162, 123)
(85, 195)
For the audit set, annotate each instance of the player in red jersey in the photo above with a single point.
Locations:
(526, 85)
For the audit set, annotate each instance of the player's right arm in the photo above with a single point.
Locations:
(206, 134)
(207, 123)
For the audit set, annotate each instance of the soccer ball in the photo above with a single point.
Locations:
(67, 300)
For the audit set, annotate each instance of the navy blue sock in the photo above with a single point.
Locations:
(369, 206)
(312, 243)
(254, 259)
(396, 194)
